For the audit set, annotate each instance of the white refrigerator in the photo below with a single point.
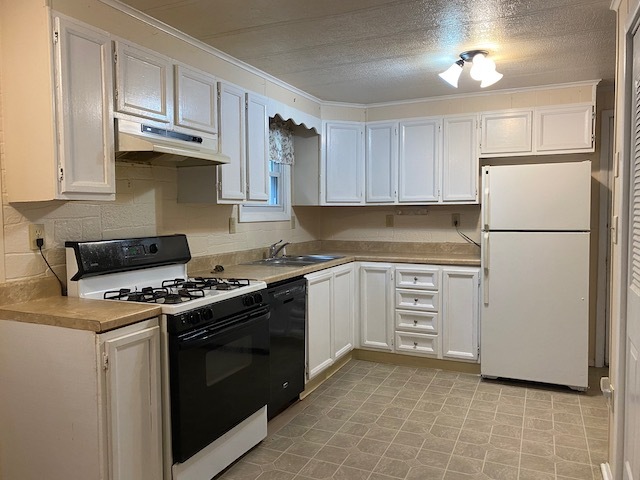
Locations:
(535, 272)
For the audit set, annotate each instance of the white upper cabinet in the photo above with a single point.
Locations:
(196, 100)
(84, 112)
(144, 83)
(419, 160)
(344, 162)
(257, 148)
(460, 164)
(57, 101)
(232, 186)
(381, 162)
(506, 132)
(538, 131)
(564, 128)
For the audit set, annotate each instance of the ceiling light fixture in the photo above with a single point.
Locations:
(483, 69)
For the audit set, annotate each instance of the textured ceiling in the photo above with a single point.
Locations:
(370, 51)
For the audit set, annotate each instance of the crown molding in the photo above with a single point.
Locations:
(168, 29)
(174, 32)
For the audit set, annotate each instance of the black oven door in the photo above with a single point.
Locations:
(219, 376)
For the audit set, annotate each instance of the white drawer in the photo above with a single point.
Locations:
(424, 322)
(418, 277)
(417, 344)
(417, 300)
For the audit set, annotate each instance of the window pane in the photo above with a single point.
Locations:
(274, 191)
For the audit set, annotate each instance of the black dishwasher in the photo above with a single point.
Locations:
(288, 301)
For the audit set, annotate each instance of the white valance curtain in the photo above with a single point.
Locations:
(280, 142)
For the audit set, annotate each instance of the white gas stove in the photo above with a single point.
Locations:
(215, 345)
(148, 270)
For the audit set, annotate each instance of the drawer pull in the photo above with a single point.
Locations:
(415, 300)
(415, 322)
(415, 279)
(415, 344)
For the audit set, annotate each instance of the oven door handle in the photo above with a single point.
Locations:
(228, 326)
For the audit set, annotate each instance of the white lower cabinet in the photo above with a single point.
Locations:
(330, 316)
(91, 407)
(460, 287)
(426, 310)
(376, 306)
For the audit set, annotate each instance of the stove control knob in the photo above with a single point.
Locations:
(257, 297)
(153, 248)
(248, 301)
(194, 318)
(207, 314)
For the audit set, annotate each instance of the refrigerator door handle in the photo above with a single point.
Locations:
(485, 200)
(485, 268)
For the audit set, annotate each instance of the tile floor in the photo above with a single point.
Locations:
(378, 421)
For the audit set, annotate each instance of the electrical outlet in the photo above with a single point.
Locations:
(455, 219)
(36, 230)
(232, 225)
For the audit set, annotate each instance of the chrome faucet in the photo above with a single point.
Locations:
(276, 248)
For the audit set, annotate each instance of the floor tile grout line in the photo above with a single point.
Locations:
(584, 431)
(524, 416)
(460, 432)
(400, 428)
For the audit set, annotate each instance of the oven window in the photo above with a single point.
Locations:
(228, 359)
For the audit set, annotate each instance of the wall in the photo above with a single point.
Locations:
(146, 196)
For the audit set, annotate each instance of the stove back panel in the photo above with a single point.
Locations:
(111, 256)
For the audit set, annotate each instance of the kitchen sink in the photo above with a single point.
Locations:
(295, 260)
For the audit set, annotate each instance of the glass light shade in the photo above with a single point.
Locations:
(452, 74)
(482, 66)
(490, 78)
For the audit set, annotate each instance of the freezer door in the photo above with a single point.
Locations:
(552, 196)
(535, 307)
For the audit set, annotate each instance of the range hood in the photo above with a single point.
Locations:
(136, 141)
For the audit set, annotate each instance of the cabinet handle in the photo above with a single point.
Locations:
(415, 344)
(415, 279)
(415, 322)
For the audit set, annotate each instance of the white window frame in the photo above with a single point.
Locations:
(270, 213)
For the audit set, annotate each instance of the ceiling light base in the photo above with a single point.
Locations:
(469, 54)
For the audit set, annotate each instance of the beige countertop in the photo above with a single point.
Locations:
(272, 274)
(79, 313)
(102, 315)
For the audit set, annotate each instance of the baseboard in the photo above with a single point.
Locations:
(415, 361)
(605, 469)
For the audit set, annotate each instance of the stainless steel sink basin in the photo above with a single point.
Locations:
(295, 260)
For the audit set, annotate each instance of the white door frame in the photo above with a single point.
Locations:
(605, 177)
(620, 236)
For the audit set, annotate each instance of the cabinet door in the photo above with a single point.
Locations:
(319, 311)
(564, 129)
(418, 161)
(133, 405)
(231, 176)
(376, 306)
(460, 165)
(506, 132)
(343, 309)
(84, 110)
(257, 148)
(344, 162)
(381, 162)
(196, 100)
(460, 313)
(144, 83)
